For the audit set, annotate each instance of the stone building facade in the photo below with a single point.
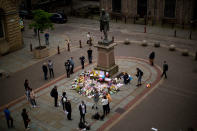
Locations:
(10, 32)
(157, 11)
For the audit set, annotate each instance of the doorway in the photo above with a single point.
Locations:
(142, 8)
(169, 10)
(116, 6)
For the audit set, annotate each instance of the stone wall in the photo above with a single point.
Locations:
(183, 12)
(13, 37)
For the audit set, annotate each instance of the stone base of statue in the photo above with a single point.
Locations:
(106, 59)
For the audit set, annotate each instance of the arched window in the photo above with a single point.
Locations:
(169, 10)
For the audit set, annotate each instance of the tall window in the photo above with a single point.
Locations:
(169, 10)
(142, 8)
(1, 28)
(116, 5)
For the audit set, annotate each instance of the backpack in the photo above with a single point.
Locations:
(142, 73)
(52, 94)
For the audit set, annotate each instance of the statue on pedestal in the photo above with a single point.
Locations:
(104, 24)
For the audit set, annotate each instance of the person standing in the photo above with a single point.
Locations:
(27, 93)
(82, 59)
(139, 76)
(64, 100)
(54, 94)
(26, 119)
(104, 102)
(82, 109)
(8, 117)
(67, 66)
(45, 70)
(109, 101)
(88, 38)
(165, 69)
(151, 58)
(68, 109)
(72, 65)
(26, 84)
(46, 35)
(50, 66)
(90, 55)
(32, 98)
(96, 99)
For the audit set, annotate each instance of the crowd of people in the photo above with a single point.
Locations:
(66, 103)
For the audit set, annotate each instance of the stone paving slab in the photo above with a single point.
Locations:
(48, 118)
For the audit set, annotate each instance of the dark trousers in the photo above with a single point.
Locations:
(72, 68)
(45, 75)
(69, 116)
(51, 73)
(64, 106)
(90, 59)
(104, 110)
(26, 124)
(82, 64)
(82, 118)
(8, 122)
(33, 102)
(68, 73)
(108, 108)
(55, 99)
(164, 73)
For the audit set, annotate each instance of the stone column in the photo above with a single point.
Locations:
(106, 59)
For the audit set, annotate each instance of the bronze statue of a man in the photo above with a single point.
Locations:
(104, 23)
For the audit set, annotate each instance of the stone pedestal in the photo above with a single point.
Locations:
(106, 59)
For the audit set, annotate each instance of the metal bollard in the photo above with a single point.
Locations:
(174, 33)
(144, 29)
(196, 56)
(31, 47)
(190, 35)
(80, 46)
(112, 38)
(58, 49)
(68, 46)
(125, 19)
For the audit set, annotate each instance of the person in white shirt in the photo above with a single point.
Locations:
(104, 102)
(50, 66)
(88, 38)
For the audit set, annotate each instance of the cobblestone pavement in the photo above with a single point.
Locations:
(165, 105)
(49, 118)
(76, 30)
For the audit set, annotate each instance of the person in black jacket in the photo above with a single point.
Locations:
(26, 84)
(67, 66)
(82, 109)
(82, 59)
(68, 109)
(45, 70)
(54, 94)
(25, 118)
(165, 69)
(90, 55)
(126, 78)
(139, 76)
(151, 58)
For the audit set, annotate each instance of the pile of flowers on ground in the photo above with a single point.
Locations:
(88, 82)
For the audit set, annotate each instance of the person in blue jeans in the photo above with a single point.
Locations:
(46, 38)
(8, 118)
(139, 76)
